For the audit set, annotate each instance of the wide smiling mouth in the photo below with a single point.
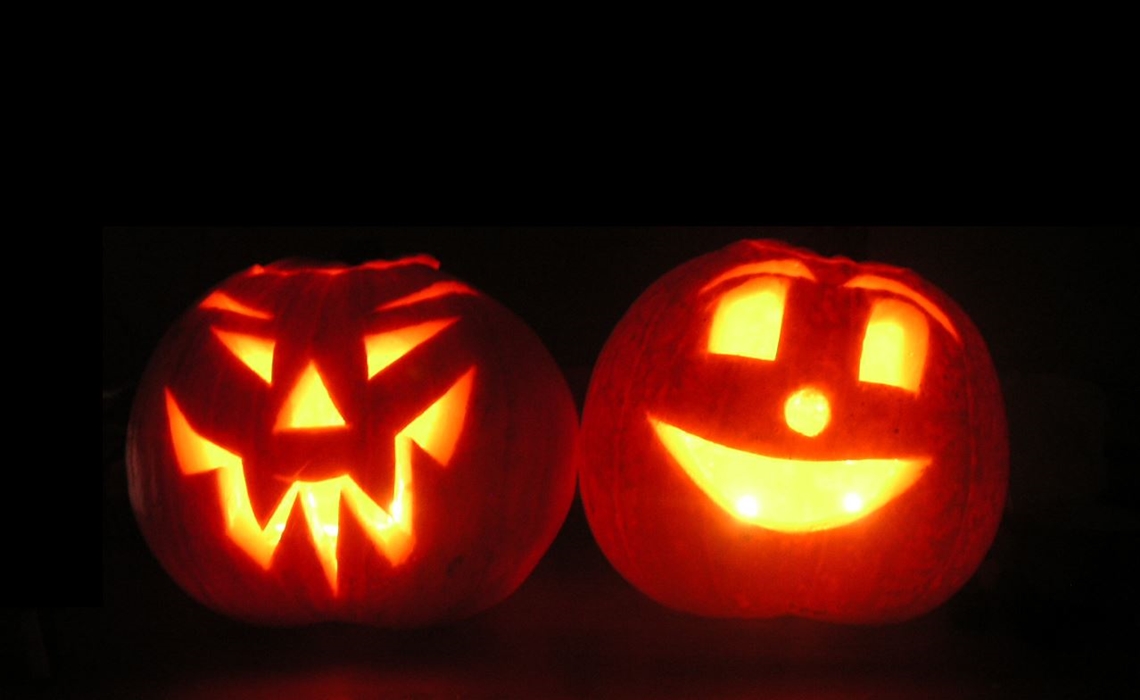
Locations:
(788, 495)
(389, 526)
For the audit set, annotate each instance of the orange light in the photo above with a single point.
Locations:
(894, 345)
(385, 348)
(885, 284)
(309, 405)
(788, 495)
(748, 319)
(807, 412)
(435, 430)
(433, 291)
(256, 353)
(788, 267)
(224, 302)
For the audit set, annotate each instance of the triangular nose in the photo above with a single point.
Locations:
(309, 405)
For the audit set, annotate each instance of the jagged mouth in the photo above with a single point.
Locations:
(789, 495)
(389, 527)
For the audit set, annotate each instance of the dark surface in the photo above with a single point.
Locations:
(576, 629)
(1051, 613)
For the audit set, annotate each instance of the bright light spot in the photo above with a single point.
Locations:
(382, 349)
(748, 506)
(896, 287)
(389, 528)
(748, 319)
(807, 412)
(220, 300)
(309, 405)
(789, 267)
(788, 495)
(852, 503)
(437, 429)
(894, 346)
(256, 353)
(438, 289)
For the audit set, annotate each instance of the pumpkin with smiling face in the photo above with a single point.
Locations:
(378, 444)
(769, 432)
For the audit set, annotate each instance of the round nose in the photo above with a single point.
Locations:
(807, 411)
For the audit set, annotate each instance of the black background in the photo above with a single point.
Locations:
(1052, 612)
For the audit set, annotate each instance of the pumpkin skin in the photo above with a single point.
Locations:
(705, 491)
(377, 444)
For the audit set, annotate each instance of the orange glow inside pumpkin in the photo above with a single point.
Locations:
(435, 430)
(807, 411)
(255, 352)
(803, 495)
(432, 291)
(894, 345)
(788, 495)
(898, 288)
(748, 318)
(224, 302)
(308, 405)
(385, 348)
(788, 267)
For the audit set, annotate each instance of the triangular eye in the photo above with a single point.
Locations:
(436, 430)
(894, 345)
(256, 353)
(385, 348)
(748, 319)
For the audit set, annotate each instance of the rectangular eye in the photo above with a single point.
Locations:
(385, 348)
(748, 319)
(894, 345)
(256, 353)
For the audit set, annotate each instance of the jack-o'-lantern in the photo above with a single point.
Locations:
(378, 444)
(769, 432)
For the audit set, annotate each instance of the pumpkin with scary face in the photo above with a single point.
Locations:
(769, 432)
(379, 444)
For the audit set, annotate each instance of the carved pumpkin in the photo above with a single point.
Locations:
(379, 444)
(769, 432)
